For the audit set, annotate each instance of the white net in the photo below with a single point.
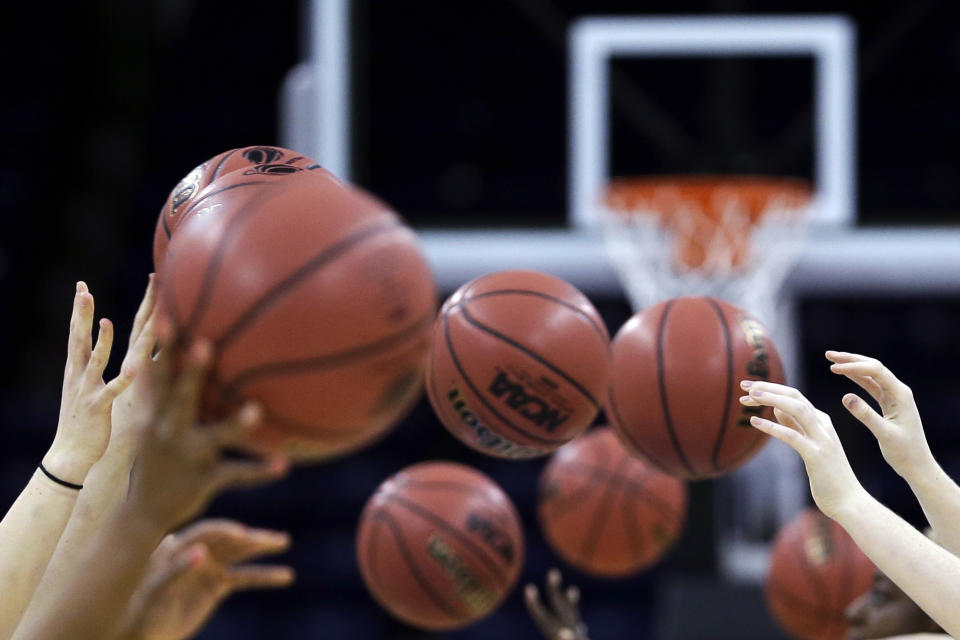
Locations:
(666, 241)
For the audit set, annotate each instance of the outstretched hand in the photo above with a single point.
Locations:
(897, 428)
(180, 465)
(193, 571)
(83, 430)
(810, 432)
(561, 621)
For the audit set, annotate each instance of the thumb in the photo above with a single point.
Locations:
(865, 414)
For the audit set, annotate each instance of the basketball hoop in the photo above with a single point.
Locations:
(733, 237)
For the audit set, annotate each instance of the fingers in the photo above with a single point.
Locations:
(558, 602)
(235, 430)
(183, 404)
(865, 414)
(144, 311)
(231, 542)
(259, 577)
(81, 326)
(100, 355)
(791, 437)
(140, 351)
(801, 411)
(855, 365)
(543, 620)
(234, 474)
(786, 420)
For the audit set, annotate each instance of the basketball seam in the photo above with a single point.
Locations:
(212, 270)
(601, 331)
(504, 516)
(597, 523)
(814, 580)
(634, 487)
(216, 171)
(407, 557)
(628, 436)
(163, 223)
(630, 528)
(661, 379)
(338, 359)
(563, 504)
(483, 400)
(207, 196)
(725, 417)
(306, 269)
(533, 354)
(487, 560)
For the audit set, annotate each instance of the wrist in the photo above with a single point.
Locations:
(922, 472)
(65, 466)
(850, 510)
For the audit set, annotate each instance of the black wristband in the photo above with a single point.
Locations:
(63, 483)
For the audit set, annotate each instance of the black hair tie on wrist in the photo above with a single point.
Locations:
(63, 483)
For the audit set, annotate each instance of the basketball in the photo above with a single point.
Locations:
(816, 572)
(519, 364)
(318, 303)
(439, 545)
(255, 161)
(604, 511)
(677, 368)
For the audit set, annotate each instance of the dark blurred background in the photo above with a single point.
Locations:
(459, 120)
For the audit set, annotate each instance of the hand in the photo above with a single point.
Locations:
(193, 571)
(83, 430)
(811, 433)
(132, 408)
(562, 621)
(899, 430)
(179, 466)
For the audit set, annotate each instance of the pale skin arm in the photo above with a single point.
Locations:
(926, 572)
(178, 469)
(899, 432)
(106, 483)
(921, 636)
(32, 527)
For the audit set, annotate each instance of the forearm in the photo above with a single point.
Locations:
(103, 490)
(939, 496)
(88, 602)
(926, 572)
(28, 536)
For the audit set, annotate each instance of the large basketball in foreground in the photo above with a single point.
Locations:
(677, 368)
(816, 572)
(257, 163)
(440, 545)
(519, 363)
(318, 302)
(604, 511)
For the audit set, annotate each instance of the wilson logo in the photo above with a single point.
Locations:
(526, 403)
(483, 435)
(494, 537)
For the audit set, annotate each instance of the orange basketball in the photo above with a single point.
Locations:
(816, 572)
(318, 303)
(677, 368)
(604, 511)
(257, 161)
(519, 363)
(440, 545)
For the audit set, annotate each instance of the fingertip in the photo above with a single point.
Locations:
(278, 465)
(745, 399)
(756, 421)
(530, 593)
(250, 414)
(850, 400)
(553, 577)
(200, 351)
(287, 576)
(82, 286)
(746, 384)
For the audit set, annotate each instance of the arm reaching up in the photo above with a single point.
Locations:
(178, 469)
(927, 573)
(32, 527)
(899, 432)
(561, 621)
